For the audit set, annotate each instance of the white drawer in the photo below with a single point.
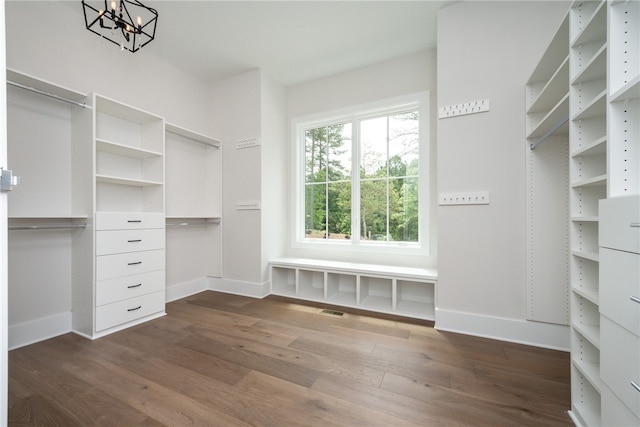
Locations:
(118, 313)
(119, 241)
(620, 288)
(128, 220)
(112, 266)
(619, 363)
(121, 288)
(620, 223)
(614, 412)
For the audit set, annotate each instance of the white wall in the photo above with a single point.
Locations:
(237, 107)
(59, 49)
(274, 164)
(402, 76)
(487, 50)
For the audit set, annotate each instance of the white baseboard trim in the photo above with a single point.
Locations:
(545, 335)
(39, 330)
(186, 289)
(248, 289)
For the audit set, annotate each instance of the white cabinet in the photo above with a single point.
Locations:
(126, 192)
(393, 290)
(620, 306)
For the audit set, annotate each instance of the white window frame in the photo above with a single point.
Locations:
(418, 101)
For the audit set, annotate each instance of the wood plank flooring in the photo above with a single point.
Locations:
(225, 360)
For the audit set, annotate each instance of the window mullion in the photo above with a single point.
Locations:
(355, 181)
(388, 180)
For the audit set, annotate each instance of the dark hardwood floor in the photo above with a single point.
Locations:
(224, 360)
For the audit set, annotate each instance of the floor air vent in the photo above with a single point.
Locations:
(333, 312)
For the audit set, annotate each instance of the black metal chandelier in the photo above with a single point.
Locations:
(126, 23)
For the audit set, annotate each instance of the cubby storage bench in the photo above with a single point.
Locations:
(402, 291)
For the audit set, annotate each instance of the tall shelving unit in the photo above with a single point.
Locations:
(588, 185)
(126, 194)
(619, 233)
(193, 208)
(547, 116)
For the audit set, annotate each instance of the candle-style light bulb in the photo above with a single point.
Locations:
(113, 6)
(139, 24)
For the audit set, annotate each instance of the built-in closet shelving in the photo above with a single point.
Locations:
(193, 208)
(588, 182)
(46, 218)
(547, 116)
(127, 165)
(409, 292)
(619, 231)
(603, 201)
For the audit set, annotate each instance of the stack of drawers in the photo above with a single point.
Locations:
(620, 310)
(130, 268)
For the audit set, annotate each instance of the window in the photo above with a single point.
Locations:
(362, 177)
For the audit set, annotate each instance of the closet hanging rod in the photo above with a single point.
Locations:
(190, 224)
(47, 227)
(50, 95)
(550, 132)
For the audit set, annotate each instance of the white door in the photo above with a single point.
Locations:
(3, 230)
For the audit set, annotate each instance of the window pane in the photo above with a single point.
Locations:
(339, 211)
(373, 148)
(403, 210)
(315, 154)
(373, 210)
(403, 144)
(315, 211)
(339, 140)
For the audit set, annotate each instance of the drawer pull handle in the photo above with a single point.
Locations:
(635, 225)
(634, 299)
(134, 241)
(135, 263)
(134, 286)
(134, 220)
(134, 309)
(636, 386)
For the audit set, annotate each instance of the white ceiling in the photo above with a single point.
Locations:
(291, 41)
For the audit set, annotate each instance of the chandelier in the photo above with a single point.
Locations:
(126, 23)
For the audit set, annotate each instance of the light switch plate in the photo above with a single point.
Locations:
(465, 198)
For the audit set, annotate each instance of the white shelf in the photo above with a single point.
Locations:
(125, 150)
(593, 255)
(596, 181)
(594, 69)
(556, 116)
(32, 82)
(108, 179)
(551, 92)
(594, 27)
(588, 293)
(192, 136)
(596, 148)
(590, 332)
(597, 107)
(630, 90)
(590, 370)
